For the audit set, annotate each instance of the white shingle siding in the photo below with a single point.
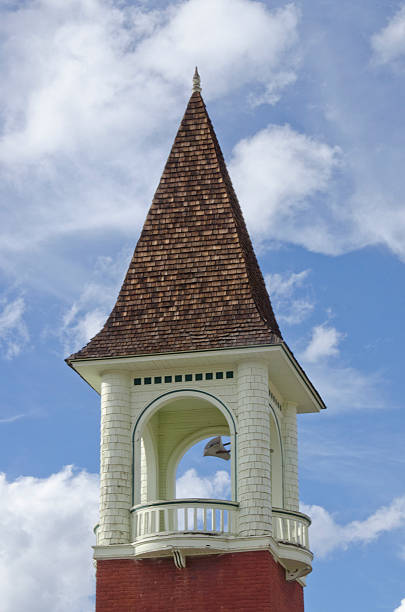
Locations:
(115, 459)
(254, 469)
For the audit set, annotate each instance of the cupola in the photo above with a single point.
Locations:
(192, 351)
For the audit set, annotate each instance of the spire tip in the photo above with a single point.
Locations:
(196, 81)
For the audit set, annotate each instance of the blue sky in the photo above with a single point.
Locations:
(307, 102)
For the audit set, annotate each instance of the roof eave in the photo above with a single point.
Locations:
(284, 369)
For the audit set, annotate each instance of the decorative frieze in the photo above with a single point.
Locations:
(178, 378)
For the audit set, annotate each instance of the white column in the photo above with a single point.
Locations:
(115, 459)
(254, 469)
(290, 444)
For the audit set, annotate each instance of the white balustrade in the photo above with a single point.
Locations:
(185, 516)
(291, 527)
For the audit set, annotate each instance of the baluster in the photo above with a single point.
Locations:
(221, 520)
(166, 526)
(300, 534)
(280, 527)
(195, 523)
(277, 528)
(205, 519)
(185, 519)
(175, 512)
(214, 520)
(288, 526)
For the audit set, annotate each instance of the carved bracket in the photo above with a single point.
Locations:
(179, 559)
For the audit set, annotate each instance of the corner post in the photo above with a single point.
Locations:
(254, 468)
(115, 459)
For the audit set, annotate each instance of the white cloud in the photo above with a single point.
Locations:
(234, 42)
(389, 44)
(401, 607)
(278, 174)
(92, 93)
(13, 330)
(345, 388)
(341, 386)
(282, 288)
(89, 312)
(46, 526)
(327, 535)
(324, 343)
(215, 486)
(297, 311)
(12, 419)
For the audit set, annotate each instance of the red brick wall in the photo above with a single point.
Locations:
(250, 581)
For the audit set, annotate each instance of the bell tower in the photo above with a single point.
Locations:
(190, 351)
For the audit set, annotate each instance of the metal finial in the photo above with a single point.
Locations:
(196, 81)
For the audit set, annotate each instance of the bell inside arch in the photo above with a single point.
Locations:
(216, 448)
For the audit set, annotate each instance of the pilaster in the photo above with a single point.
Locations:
(254, 469)
(115, 460)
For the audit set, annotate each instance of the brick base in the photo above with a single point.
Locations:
(249, 581)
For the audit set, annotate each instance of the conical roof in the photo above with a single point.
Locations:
(193, 282)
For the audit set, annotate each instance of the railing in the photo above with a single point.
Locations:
(214, 517)
(185, 516)
(291, 527)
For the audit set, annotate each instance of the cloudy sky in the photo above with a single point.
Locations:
(307, 101)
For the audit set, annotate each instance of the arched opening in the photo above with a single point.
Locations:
(204, 477)
(164, 433)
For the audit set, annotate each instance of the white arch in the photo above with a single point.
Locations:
(151, 463)
(169, 397)
(277, 461)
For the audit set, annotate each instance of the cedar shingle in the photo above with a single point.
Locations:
(193, 282)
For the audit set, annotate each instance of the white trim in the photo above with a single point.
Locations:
(165, 399)
(151, 463)
(308, 398)
(289, 556)
(277, 460)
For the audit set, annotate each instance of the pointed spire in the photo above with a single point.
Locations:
(194, 282)
(196, 81)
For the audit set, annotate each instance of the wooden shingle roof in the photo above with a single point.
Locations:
(193, 282)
